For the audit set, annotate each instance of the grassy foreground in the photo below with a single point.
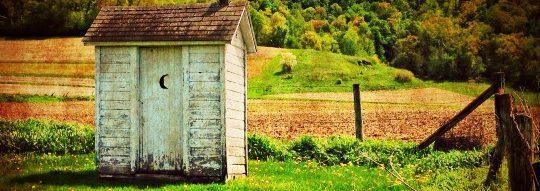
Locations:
(77, 172)
(308, 163)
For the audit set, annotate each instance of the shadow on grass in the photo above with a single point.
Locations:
(90, 178)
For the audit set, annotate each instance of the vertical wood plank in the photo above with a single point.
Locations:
(97, 99)
(134, 99)
(185, 69)
(245, 108)
(358, 112)
(222, 99)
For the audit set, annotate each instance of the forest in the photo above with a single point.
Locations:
(437, 40)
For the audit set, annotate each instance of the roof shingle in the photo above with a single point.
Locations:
(193, 22)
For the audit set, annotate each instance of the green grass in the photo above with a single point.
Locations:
(77, 172)
(318, 71)
(43, 136)
(308, 163)
(42, 98)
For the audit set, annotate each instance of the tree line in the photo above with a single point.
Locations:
(435, 39)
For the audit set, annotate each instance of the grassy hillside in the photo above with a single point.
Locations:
(318, 71)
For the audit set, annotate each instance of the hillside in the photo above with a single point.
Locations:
(319, 71)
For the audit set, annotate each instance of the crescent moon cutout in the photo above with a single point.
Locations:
(162, 81)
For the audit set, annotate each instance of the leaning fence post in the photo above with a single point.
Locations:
(358, 112)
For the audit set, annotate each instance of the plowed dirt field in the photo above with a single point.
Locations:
(290, 118)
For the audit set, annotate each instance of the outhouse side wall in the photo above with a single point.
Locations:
(116, 109)
(204, 120)
(235, 104)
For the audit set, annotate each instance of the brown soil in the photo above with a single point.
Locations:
(78, 111)
(80, 82)
(47, 69)
(46, 50)
(27, 89)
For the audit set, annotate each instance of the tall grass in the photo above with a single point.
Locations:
(45, 137)
(339, 150)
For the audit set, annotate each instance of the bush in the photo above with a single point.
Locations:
(263, 148)
(403, 76)
(308, 148)
(288, 61)
(45, 137)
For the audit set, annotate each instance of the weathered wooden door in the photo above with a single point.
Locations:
(161, 90)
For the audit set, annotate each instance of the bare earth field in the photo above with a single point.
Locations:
(51, 90)
(76, 111)
(47, 69)
(77, 82)
(290, 119)
(70, 49)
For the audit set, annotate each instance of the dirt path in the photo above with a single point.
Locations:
(408, 96)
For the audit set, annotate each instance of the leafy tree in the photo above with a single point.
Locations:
(312, 40)
(349, 43)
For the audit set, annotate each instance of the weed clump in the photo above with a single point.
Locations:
(264, 148)
(403, 76)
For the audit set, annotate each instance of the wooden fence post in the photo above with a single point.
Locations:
(503, 109)
(498, 81)
(358, 112)
(520, 153)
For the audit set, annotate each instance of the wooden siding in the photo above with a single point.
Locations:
(116, 113)
(235, 104)
(204, 112)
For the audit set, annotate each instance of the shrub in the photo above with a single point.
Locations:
(403, 76)
(45, 137)
(309, 148)
(288, 61)
(263, 148)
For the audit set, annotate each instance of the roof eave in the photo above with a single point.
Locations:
(248, 34)
(152, 43)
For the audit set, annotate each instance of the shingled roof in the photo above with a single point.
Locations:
(191, 22)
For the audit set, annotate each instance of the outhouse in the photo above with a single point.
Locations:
(171, 90)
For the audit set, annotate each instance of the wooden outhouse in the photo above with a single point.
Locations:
(171, 90)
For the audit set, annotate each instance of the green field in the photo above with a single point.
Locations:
(77, 172)
(318, 71)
